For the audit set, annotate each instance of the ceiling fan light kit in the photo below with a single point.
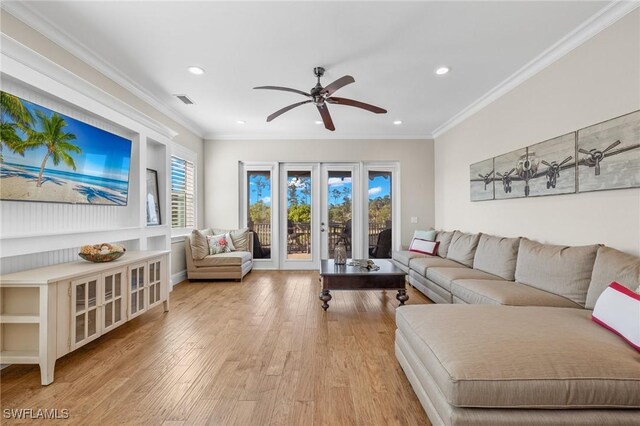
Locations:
(321, 96)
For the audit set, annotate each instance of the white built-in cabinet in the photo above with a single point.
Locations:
(46, 313)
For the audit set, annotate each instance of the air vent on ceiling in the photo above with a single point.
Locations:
(185, 99)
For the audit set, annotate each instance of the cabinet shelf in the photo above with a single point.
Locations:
(19, 357)
(19, 319)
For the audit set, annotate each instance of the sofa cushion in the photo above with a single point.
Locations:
(499, 292)
(405, 256)
(444, 238)
(240, 237)
(565, 271)
(497, 256)
(463, 248)
(421, 264)
(234, 258)
(521, 356)
(612, 265)
(445, 276)
(199, 243)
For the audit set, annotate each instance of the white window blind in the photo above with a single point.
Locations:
(183, 193)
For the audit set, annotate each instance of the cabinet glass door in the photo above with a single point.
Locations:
(137, 288)
(155, 272)
(113, 299)
(84, 305)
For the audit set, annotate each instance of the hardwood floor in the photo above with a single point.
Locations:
(259, 352)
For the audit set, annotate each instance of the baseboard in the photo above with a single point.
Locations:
(178, 277)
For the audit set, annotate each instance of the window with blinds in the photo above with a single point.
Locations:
(183, 193)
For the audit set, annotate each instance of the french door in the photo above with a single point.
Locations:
(299, 212)
(299, 218)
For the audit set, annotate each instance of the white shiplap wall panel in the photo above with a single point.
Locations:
(38, 260)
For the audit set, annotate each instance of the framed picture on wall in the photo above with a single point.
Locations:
(153, 200)
(482, 177)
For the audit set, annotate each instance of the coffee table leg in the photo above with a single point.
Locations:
(402, 296)
(325, 297)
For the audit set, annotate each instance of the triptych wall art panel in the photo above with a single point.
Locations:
(599, 157)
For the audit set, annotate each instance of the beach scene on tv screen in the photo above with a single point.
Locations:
(47, 156)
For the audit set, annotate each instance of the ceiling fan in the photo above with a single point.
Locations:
(321, 96)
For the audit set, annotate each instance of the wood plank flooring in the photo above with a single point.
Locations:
(257, 352)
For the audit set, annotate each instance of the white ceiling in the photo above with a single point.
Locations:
(390, 48)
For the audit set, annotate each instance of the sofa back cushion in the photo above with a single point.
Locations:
(240, 237)
(199, 244)
(612, 265)
(561, 270)
(463, 248)
(497, 256)
(444, 238)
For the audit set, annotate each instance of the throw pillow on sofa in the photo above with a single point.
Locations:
(444, 238)
(618, 310)
(239, 237)
(429, 235)
(427, 247)
(199, 244)
(220, 243)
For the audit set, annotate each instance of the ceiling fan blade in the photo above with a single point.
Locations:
(284, 89)
(285, 109)
(610, 147)
(326, 117)
(341, 82)
(357, 104)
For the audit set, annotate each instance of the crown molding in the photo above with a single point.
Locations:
(30, 67)
(588, 29)
(299, 137)
(34, 19)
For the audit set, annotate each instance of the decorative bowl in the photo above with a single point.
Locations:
(101, 257)
(101, 253)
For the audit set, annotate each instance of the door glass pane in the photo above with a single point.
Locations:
(157, 271)
(141, 276)
(134, 279)
(91, 322)
(118, 309)
(380, 214)
(152, 272)
(108, 287)
(80, 297)
(79, 328)
(157, 292)
(118, 283)
(92, 293)
(141, 300)
(299, 215)
(134, 303)
(259, 212)
(339, 190)
(152, 294)
(108, 314)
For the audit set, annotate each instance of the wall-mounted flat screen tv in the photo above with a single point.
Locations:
(47, 156)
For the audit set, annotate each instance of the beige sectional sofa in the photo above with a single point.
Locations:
(511, 340)
(233, 265)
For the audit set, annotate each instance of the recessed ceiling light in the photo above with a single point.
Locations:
(318, 122)
(397, 122)
(240, 121)
(196, 70)
(442, 70)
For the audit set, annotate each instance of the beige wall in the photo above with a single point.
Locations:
(595, 82)
(24, 34)
(416, 169)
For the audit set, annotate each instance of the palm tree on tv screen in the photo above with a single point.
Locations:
(55, 140)
(11, 107)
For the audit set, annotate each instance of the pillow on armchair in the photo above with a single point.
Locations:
(220, 243)
(239, 237)
(199, 244)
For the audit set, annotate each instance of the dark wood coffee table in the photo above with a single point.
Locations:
(344, 277)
